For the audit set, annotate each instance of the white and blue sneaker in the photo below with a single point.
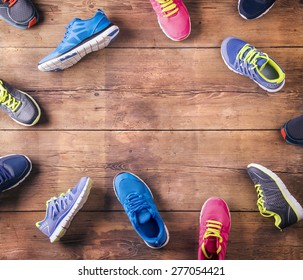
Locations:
(244, 59)
(81, 38)
(137, 201)
(61, 210)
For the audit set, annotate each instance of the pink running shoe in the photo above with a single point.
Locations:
(214, 229)
(173, 18)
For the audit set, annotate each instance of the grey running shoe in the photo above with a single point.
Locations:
(274, 200)
(19, 13)
(21, 107)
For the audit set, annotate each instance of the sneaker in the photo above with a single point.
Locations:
(21, 107)
(215, 224)
(81, 38)
(292, 131)
(13, 170)
(137, 201)
(274, 200)
(246, 60)
(19, 13)
(61, 210)
(173, 18)
(252, 9)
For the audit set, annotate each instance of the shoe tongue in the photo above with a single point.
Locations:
(261, 63)
(144, 216)
(211, 244)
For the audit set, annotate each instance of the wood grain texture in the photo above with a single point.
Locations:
(99, 235)
(211, 22)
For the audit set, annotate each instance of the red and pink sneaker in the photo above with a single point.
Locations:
(214, 229)
(173, 18)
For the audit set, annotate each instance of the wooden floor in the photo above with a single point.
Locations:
(170, 112)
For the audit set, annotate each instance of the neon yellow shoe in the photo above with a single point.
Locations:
(244, 59)
(274, 199)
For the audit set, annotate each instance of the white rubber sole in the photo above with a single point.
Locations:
(166, 230)
(256, 17)
(266, 89)
(65, 223)
(30, 169)
(70, 58)
(286, 194)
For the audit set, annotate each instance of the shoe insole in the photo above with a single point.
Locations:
(269, 72)
(150, 228)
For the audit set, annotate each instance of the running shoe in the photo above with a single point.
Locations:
(215, 224)
(20, 106)
(173, 18)
(81, 38)
(19, 13)
(13, 170)
(61, 210)
(252, 9)
(274, 199)
(292, 131)
(137, 201)
(244, 59)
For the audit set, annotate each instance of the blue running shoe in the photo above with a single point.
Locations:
(61, 210)
(292, 131)
(137, 201)
(81, 38)
(13, 170)
(252, 9)
(246, 60)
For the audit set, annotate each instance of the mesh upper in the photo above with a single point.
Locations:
(21, 11)
(295, 128)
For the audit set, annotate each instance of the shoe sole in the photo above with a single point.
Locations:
(256, 17)
(65, 223)
(71, 57)
(166, 230)
(171, 37)
(25, 176)
(37, 107)
(292, 202)
(266, 89)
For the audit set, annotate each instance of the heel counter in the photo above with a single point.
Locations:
(102, 21)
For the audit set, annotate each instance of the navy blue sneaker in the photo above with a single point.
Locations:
(137, 201)
(81, 38)
(13, 170)
(244, 59)
(252, 9)
(292, 131)
(19, 13)
(61, 210)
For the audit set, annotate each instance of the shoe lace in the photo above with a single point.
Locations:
(168, 7)
(4, 175)
(248, 57)
(213, 229)
(135, 203)
(7, 99)
(67, 31)
(59, 203)
(11, 2)
(260, 202)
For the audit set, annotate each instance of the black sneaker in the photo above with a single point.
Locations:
(19, 13)
(274, 200)
(251, 9)
(292, 131)
(21, 107)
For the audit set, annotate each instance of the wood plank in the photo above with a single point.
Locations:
(97, 235)
(211, 23)
(171, 110)
(182, 168)
(184, 70)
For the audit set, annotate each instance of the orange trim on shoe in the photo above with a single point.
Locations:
(283, 133)
(32, 22)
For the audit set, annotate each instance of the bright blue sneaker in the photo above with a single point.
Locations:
(246, 60)
(81, 38)
(61, 210)
(137, 201)
(13, 170)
